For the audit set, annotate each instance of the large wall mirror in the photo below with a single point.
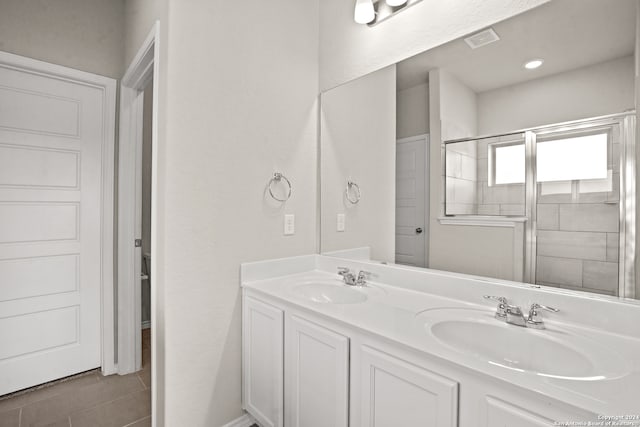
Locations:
(509, 153)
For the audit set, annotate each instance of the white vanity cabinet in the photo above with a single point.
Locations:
(301, 369)
(262, 361)
(316, 375)
(393, 392)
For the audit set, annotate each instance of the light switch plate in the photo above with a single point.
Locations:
(340, 222)
(289, 224)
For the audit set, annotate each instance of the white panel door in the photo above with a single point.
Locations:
(263, 362)
(51, 141)
(411, 204)
(397, 393)
(316, 375)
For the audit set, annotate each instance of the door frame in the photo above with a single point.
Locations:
(427, 190)
(108, 87)
(143, 68)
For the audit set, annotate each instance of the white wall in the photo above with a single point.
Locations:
(591, 91)
(242, 97)
(358, 131)
(349, 50)
(83, 34)
(458, 107)
(140, 16)
(412, 111)
(485, 251)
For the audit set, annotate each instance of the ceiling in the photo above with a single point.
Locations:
(567, 34)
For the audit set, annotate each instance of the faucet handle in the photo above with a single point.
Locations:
(501, 310)
(343, 270)
(363, 276)
(533, 311)
(534, 320)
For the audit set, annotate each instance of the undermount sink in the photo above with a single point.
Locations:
(330, 293)
(552, 353)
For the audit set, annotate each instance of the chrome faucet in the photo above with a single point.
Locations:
(513, 315)
(347, 276)
(351, 279)
(501, 309)
(362, 278)
(534, 320)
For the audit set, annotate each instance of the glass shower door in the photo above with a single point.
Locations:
(577, 208)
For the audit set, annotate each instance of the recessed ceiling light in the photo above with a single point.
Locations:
(533, 64)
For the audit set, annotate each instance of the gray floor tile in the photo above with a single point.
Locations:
(10, 418)
(118, 413)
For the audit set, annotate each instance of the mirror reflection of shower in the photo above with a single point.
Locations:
(573, 214)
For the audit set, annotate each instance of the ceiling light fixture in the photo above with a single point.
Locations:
(373, 12)
(533, 64)
(364, 12)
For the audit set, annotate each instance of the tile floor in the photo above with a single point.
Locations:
(86, 400)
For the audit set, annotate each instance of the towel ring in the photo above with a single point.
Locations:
(347, 192)
(277, 177)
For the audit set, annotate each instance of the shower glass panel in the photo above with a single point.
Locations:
(578, 209)
(485, 176)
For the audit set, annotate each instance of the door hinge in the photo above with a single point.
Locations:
(138, 243)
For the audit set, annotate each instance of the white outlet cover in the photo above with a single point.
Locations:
(289, 224)
(340, 222)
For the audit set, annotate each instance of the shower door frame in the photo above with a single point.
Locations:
(627, 197)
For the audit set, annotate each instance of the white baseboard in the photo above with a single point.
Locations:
(244, 421)
(146, 324)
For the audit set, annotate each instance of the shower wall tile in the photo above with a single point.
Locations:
(467, 148)
(483, 145)
(568, 244)
(488, 209)
(504, 194)
(461, 209)
(469, 167)
(559, 271)
(483, 170)
(512, 209)
(600, 275)
(578, 288)
(547, 217)
(589, 217)
(453, 164)
(615, 165)
(555, 192)
(614, 195)
(613, 247)
(461, 191)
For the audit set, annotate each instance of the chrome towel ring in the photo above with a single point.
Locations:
(352, 188)
(277, 177)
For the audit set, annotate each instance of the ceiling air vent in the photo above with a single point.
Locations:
(482, 38)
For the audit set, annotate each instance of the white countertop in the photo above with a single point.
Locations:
(396, 314)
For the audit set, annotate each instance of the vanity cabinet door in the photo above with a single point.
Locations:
(316, 375)
(262, 361)
(395, 393)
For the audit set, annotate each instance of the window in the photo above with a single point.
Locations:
(559, 159)
(509, 164)
(487, 176)
(573, 158)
